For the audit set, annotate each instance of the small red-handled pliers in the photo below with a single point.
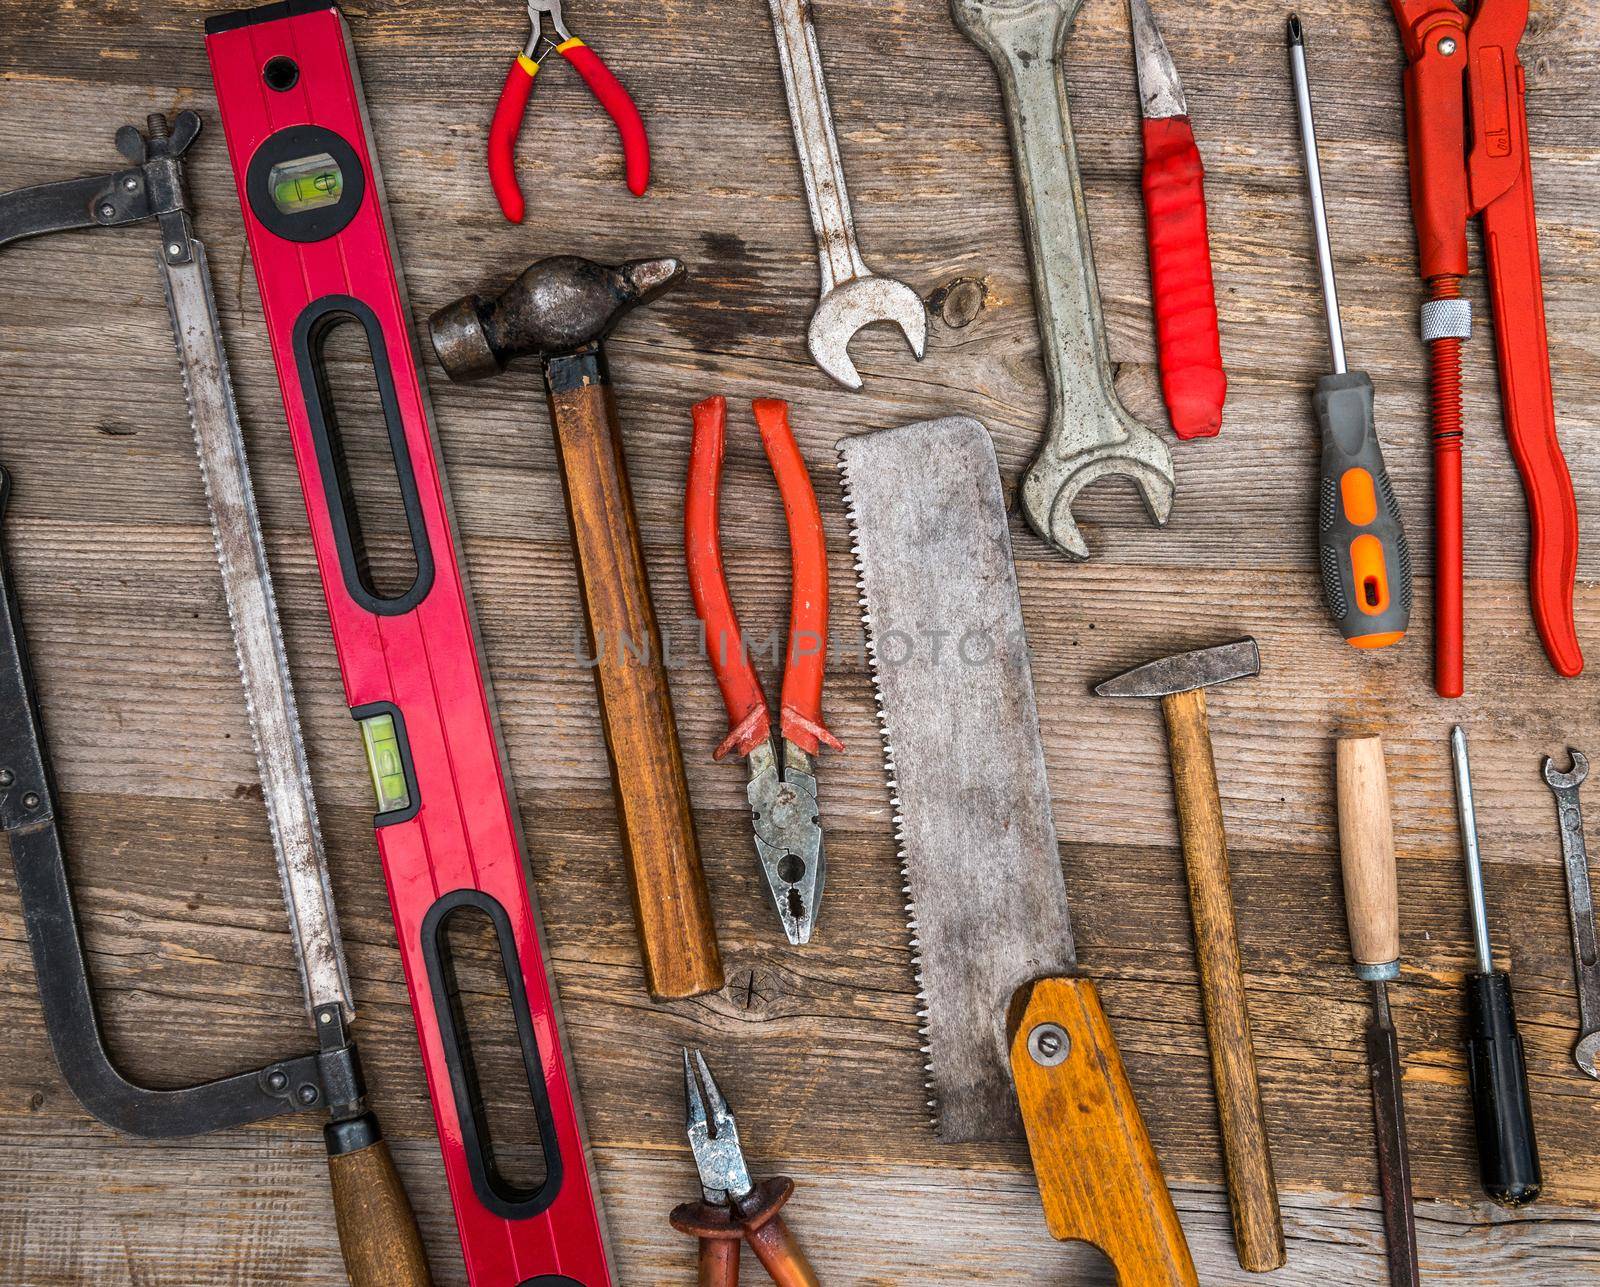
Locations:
(513, 105)
(1192, 381)
(783, 780)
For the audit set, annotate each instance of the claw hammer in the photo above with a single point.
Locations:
(560, 310)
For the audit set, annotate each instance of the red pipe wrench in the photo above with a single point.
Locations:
(1464, 66)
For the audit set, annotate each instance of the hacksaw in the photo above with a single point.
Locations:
(378, 1232)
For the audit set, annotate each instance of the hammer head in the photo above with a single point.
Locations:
(558, 306)
(1186, 670)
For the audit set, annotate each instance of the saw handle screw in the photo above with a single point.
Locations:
(1049, 1045)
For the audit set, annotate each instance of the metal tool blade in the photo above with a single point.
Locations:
(258, 641)
(1160, 90)
(1389, 1130)
(986, 901)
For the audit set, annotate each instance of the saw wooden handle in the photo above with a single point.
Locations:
(377, 1230)
(1098, 1176)
(1246, 1154)
(1366, 851)
(671, 906)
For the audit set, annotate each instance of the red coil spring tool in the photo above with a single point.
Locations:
(447, 826)
(518, 89)
(1463, 62)
(783, 780)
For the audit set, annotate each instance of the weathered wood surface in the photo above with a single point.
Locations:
(108, 533)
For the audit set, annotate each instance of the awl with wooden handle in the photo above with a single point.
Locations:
(1013, 1025)
(1371, 905)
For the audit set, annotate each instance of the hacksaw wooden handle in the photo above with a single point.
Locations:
(377, 1230)
(1098, 1176)
(1246, 1155)
(677, 937)
(1366, 851)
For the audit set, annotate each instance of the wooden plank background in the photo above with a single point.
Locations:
(817, 1047)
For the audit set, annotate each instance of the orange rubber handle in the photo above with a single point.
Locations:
(801, 717)
(748, 716)
(1187, 336)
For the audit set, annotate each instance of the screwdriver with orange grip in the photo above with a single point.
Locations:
(1366, 562)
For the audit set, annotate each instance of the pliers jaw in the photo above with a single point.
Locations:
(713, 1136)
(788, 830)
(537, 9)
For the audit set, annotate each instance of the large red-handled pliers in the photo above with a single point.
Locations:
(1188, 341)
(1461, 62)
(513, 106)
(783, 781)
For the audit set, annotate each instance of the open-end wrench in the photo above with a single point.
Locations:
(852, 295)
(1089, 435)
(1580, 905)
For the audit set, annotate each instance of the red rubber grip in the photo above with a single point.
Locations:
(1192, 380)
(619, 106)
(749, 719)
(503, 131)
(801, 716)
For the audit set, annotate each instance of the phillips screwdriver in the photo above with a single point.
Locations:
(1361, 544)
(1371, 904)
(1508, 1154)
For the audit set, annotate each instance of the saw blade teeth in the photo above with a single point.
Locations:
(891, 780)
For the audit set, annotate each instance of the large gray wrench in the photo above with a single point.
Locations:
(1580, 906)
(852, 295)
(1089, 435)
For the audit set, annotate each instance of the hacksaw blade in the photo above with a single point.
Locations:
(257, 637)
(986, 901)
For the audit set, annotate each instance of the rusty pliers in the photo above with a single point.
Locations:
(731, 1206)
(782, 787)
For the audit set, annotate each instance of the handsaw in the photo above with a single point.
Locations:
(1010, 1029)
(377, 1229)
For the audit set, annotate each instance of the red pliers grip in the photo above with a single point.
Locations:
(518, 89)
(801, 705)
(1448, 49)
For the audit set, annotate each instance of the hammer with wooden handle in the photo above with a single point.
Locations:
(560, 310)
(1180, 682)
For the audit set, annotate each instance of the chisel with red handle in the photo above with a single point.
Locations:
(1185, 300)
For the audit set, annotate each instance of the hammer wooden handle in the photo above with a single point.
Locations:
(1366, 850)
(671, 906)
(1252, 1189)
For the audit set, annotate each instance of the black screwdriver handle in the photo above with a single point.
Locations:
(1508, 1154)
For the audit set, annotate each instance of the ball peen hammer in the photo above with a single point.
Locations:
(560, 310)
(1180, 682)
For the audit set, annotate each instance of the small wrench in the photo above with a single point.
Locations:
(852, 295)
(1089, 434)
(1580, 905)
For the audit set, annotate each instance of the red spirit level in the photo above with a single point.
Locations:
(312, 197)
